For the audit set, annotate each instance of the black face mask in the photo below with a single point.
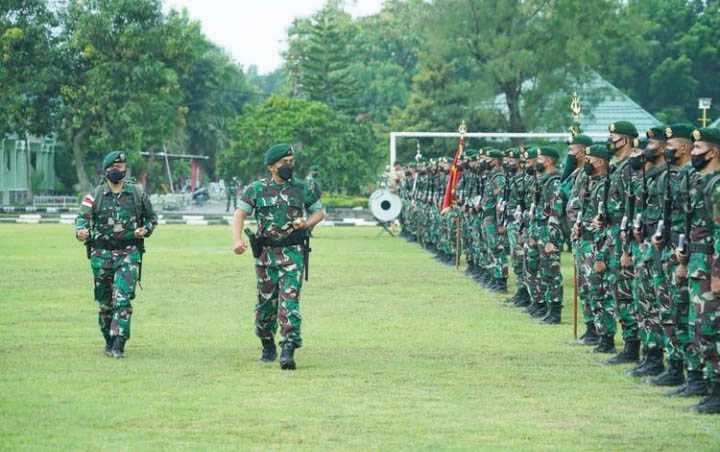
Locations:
(115, 175)
(670, 155)
(539, 168)
(483, 166)
(699, 162)
(285, 172)
(589, 169)
(572, 161)
(636, 162)
(530, 170)
(650, 154)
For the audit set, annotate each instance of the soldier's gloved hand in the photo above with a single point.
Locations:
(550, 248)
(681, 272)
(680, 256)
(240, 247)
(82, 235)
(599, 267)
(299, 223)
(657, 243)
(140, 233)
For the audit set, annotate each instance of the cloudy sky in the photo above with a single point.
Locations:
(254, 31)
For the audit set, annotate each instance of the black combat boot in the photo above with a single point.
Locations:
(673, 375)
(606, 344)
(590, 337)
(269, 351)
(711, 403)
(118, 348)
(553, 316)
(500, 285)
(630, 353)
(108, 345)
(523, 298)
(695, 386)
(651, 366)
(470, 270)
(287, 356)
(540, 312)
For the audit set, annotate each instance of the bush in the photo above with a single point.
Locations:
(336, 200)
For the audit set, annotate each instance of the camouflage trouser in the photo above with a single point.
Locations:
(648, 306)
(602, 286)
(551, 281)
(279, 272)
(703, 319)
(115, 275)
(705, 324)
(674, 314)
(581, 250)
(531, 267)
(496, 257)
(516, 249)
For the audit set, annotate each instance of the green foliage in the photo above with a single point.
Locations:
(345, 150)
(400, 353)
(331, 200)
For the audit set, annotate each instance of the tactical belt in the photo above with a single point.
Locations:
(115, 244)
(703, 248)
(296, 238)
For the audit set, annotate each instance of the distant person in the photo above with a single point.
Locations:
(231, 188)
(279, 205)
(114, 221)
(312, 181)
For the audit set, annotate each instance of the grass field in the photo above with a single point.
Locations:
(400, 352)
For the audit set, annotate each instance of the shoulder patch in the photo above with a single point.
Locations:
(88, 200)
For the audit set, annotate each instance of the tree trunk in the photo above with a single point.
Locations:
(512, 92)
(79, 158)
(28, 167)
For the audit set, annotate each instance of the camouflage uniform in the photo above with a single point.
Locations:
(494, 242)
(279, 269)
(116, 255)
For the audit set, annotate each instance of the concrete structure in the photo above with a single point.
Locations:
(21, 160)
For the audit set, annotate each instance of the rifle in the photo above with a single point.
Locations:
(638, 221)
(683, 238)
(306, 254)
(629, 211)
(662, 233)
(505, 198)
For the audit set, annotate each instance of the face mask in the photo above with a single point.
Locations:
(614, 145)
(699, 162)
(572, 161)
(483, 166)
(589, 169)
(285, 172)
(539, 168)
(115, 175)
(670, 155)
(530, 170)
(650, 155)
(636, 162)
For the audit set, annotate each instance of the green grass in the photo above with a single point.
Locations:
(400, 352)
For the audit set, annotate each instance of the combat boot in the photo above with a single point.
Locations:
(287, 356)
(695, 385)
(500, 285)
(651, 366)
(590, 337)
(118, 348)
(540, 312)
(269, 351)
(711, 403)
(630, 353)
(553, 315)
(108, 346)
(673, 375)
(606, 344)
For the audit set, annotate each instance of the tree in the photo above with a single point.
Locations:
(344, 150)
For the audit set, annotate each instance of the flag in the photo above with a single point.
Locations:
(454, 174)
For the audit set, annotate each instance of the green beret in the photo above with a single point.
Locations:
(679, 131)
(623, 128)
(531, 153)
(656, 133)
(707, 134)
(276, 152)
(470, 153)
(640, 143)
(600, 151)
(581, 139)
(495, 154)
(114, 157)
(549, 152)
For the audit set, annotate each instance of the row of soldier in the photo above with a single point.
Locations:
(643, 220)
